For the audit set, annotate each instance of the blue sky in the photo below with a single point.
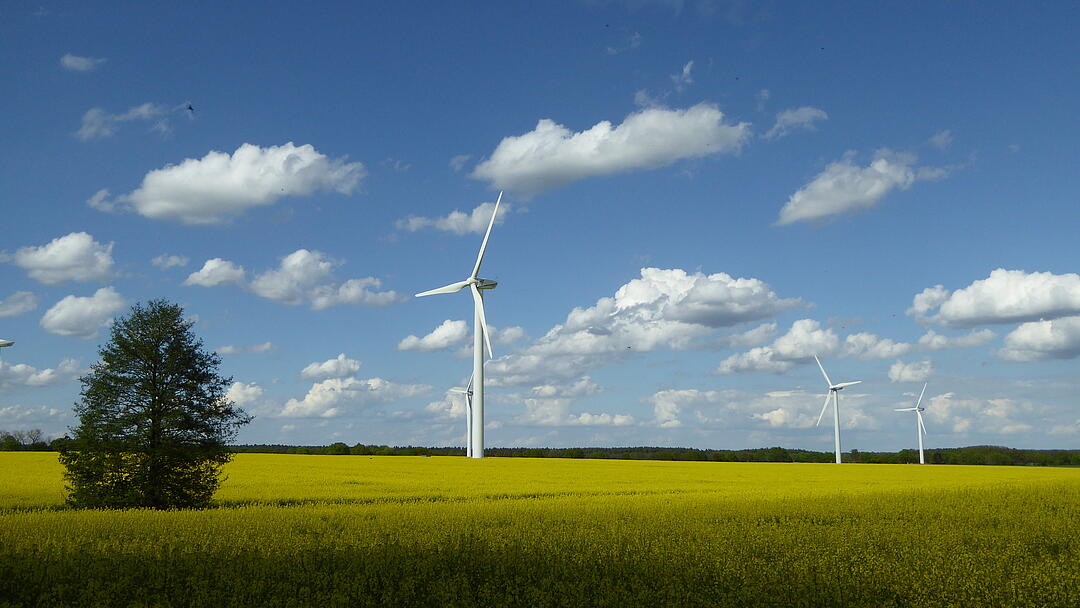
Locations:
(699, 196)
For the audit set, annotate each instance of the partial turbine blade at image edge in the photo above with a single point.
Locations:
(822, 368)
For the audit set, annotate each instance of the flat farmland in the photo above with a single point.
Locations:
(299, 530)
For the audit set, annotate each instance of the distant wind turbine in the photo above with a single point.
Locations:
(480, 337)
(920, 429)
(468, 392)
(834, 394)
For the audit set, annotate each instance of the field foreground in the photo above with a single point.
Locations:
(381, 531)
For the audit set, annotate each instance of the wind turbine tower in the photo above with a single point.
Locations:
(834, 394)
(920, 428)
(481, 338)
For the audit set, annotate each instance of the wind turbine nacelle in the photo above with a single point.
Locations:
(485, 284)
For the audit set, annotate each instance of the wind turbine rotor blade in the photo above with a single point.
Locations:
(822, 368)
(469, 388)
(483, 245)
(451, 288)
(478, 301)
(905, 409)
(823, 408)
(917, 403)
(843, 384)
(922, 426)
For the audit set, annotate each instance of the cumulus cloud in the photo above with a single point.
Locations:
(795, 119)
(219, 186)
(332, 397)
(449, 334)
(668, 404)
(932, 340)
(72, 257)
(76, 63)
(216, 271)
(21, 374)
(1006, 296)
(551, 155)
(256, 349)
(805, 339)
(339, 367)
(305, 277)
(549, 405)
(83, 316)
(917, 371)
(28, 416)
(166, 261)
(457, 222)
(99, 124)
(951, 414)
(1039, 340)
(870, 347)
(17, 303)
(664, 309)
(844, 187)
(244, 394)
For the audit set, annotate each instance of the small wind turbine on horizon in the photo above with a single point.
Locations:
(476, 285)
(834, 394)
(920, 428)
(468, 392)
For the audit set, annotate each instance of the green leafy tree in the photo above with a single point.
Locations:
(154, 420)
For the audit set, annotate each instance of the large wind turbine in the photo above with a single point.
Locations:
(468, 392)
(920, 429)
(480, 337)
(834, 394)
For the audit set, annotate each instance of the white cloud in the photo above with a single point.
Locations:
(633, 42)
(306, 277)
(256, 349)
(333, 396)
(99, 124)
(549, 405)
(339, 367)
(243, 394)
(72, 257)
(83, 316)
(17, 303)
(805, 339)
(21, 374)
(457, 222)
(932, 340)
(870, 347)
(668, 404)
(216, 271)
(917, 371)
(947, 413)
(458, 162)
(798, 118)
(1038, 340)
(166, 261)
(845, 188)
(27, 416)
(449, 334)
(685, 77)
(942, 140)
(551, 155)
(219, 186)
(81, 64)
(1006, 296)
(664, 309)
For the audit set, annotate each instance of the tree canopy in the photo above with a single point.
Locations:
(154, 419)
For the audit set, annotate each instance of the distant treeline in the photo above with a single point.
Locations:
(982, 454)
(33, 440)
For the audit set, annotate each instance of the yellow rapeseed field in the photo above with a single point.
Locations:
(295, 530)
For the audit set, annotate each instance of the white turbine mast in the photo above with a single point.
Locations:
(920, 428)
(468, 392)
(834, 394)
(480, 338)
